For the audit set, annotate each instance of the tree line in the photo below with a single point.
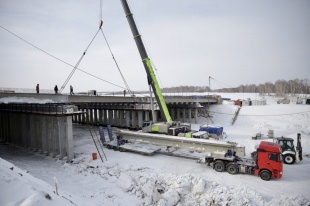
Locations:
(280, 87)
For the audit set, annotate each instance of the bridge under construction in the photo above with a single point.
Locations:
(47, 127)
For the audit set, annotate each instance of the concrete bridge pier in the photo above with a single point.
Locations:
(46, 133)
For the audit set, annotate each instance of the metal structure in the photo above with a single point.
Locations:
(152, 80)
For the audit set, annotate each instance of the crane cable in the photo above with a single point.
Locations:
(100, 28)
(36, 47)
(77, 64)
(124, 80)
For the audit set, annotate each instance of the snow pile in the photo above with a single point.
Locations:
(18, 187)
(165, 189)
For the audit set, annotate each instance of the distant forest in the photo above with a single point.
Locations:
(280, 88)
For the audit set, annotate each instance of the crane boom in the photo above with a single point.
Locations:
(152, 80)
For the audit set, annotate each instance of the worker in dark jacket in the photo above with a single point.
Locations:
(56, 89)
(38, 89)
(71, 90)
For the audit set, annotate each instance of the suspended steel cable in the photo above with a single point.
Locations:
(61, 59)
(124, 80)
(77, 64)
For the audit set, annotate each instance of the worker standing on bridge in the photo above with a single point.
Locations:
(38, 89)
(71, 90)
(56, 89)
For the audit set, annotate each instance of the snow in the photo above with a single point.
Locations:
(24, 100)
(28, 178)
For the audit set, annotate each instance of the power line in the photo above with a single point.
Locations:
(60, 59)
(77, 64)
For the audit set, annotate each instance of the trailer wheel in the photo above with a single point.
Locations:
(232, 169)
(219, 166)
(289, 159)
(265, 175)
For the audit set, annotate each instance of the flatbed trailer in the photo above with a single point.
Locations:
(151, 149)
(194, 144)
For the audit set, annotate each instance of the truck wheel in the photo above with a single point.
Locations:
(232, 169)
(289, 159)
(265, 175)
(219, 166)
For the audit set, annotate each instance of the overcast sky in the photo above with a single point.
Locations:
(234, 41)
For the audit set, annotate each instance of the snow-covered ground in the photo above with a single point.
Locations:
(28, 178)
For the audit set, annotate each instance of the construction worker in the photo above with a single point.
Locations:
(38, 89)
(71, 90)
(56, 89)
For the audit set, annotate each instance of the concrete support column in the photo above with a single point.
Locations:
(134, 121)
(62, 136)
(55, 137)
(91, 116)
(189, 115)
(184, 114)
(49, 135)
(12, 123)
(121, 118)
(196, 115)
(95, 122)
(79, 117)
(140, 118)
(28, 130)
(110, 117)
(44, 133)
(23, 130)
(1, 126)
(69, 139)
(17, 127)
(116, 118)
(39, 133)
(155, 118)
(105, 117)
(6, 124)
(147, 116)
(172, 113)
(178, 114)
(127, 119)
(84, 116)
(32, 132)
(100, 121)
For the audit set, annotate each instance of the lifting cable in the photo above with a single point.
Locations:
(125, 82)
(61, 59)
(77, 64)
(100, 28)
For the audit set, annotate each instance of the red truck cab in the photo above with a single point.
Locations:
(269, 161)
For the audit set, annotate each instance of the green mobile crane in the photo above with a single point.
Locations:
(160, 127)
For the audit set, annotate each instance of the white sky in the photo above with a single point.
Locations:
(236, 42)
